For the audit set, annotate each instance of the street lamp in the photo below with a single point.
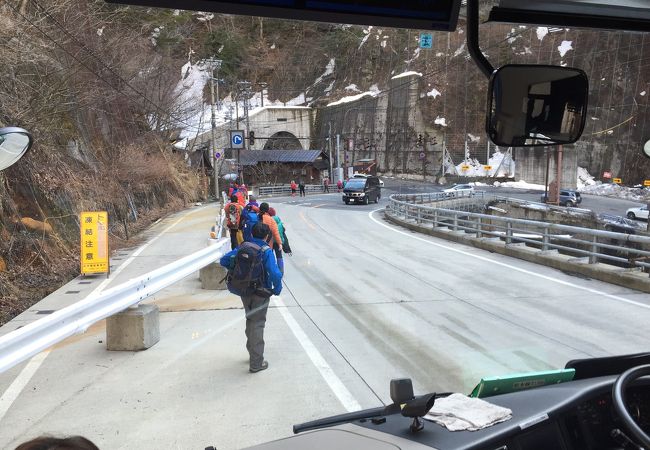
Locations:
(14, 143)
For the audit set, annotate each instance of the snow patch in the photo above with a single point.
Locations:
(460, 50)
(564, 47)
(642, 93)
(614, 190)
(440, 121)
(416, 55)
(406, 74)
(363, 41)
(329, 70)
(273, 46)
(512, 36)
(353, 88)
(433, 93)
(204, 16)
(521, 184)
(383, 44)
(473, 138)
(100, 31)
(541, 32)
(584, 178)
(155, 34)
(353, 98)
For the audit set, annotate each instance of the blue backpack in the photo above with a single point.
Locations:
(249, 219)
(247, 275)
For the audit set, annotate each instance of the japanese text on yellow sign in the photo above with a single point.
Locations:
(487, 167)
(646, 182)
(617, 180)
(464, 167)
(94, 242)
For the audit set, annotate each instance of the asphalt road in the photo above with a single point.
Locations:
(363, 302)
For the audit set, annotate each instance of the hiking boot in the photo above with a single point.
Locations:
(264, 366)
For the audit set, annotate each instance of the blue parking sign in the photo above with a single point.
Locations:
(426, 40)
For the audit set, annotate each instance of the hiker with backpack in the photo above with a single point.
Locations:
(248, 220)
(264, 217)
(233, 212)
(254, 275)
(285, 242)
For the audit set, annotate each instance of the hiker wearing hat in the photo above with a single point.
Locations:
(276, 241)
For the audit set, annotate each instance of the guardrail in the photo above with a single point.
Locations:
(41, 334)
(433, 197)
(595, 245)
(285, 189)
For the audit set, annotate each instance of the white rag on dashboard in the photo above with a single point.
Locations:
(461, 413)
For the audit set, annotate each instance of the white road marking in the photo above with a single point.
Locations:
(332, 380)
(518, 269)
(16, 387)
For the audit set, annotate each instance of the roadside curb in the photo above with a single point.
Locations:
(629, 278)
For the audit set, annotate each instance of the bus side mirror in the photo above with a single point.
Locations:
(533, 105)
(14, 143)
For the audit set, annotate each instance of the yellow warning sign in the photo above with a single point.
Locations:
(488, 168)
(646, 182)
(94, 242)
(617, 180)
(464, 167)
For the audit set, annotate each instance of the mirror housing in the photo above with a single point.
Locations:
(14, 143)
(535, 105)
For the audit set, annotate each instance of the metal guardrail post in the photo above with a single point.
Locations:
(479, 228)
(508, 233)
(593, 257)
(455, 222)
(435, 218)
(419, 216)
(545, 239)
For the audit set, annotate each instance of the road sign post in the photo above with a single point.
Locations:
(426, 40)
(94, 242)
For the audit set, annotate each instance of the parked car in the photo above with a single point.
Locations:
(459, 189)
(568, 197)
(362, 190)
(637, 213)
(365, 175)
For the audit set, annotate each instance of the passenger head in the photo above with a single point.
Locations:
(52, 443)
(261, 230)
(251, 198)
(264, 208)
(233, 198)
(271, 212)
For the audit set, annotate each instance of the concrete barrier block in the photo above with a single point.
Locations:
(134, 329)
(212, 277)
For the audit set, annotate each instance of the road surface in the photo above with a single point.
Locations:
(363, 301)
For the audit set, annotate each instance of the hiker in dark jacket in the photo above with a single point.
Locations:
(256, 304)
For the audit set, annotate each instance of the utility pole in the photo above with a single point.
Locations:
(338, 156)
(329, 148)
(244, 87)
(216, 162)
